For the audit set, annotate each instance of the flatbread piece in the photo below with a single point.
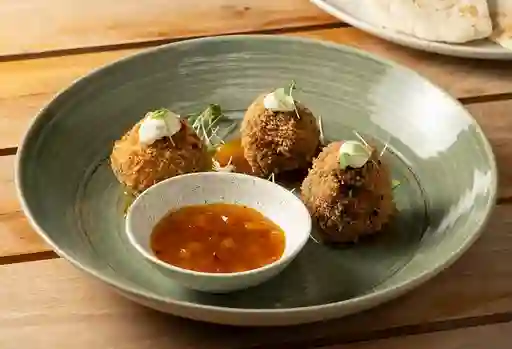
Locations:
(450, 21)
(501, 14)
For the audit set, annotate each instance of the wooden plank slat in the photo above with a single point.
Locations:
(495, 120)
(16, 236)
(485, 337)
(61, 24)
(60, 306)
(29, 84)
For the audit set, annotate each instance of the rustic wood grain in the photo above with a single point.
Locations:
(43, 25)
(16, 236)
(61, 307)
(28, 85)
(496, 122)
(484, 337)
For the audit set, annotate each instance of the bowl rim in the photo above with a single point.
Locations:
(283, 259)
(374, 297)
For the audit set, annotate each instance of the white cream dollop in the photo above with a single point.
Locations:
(279, 101)
(353, 154)
(158, 124)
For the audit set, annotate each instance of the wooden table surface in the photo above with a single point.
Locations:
(46, 303)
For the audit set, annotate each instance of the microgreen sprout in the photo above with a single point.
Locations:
(205, 124)
(159, 113)
(395, 184)
(384, 150)
(361, 138)
(314, 240)
(321, 128)
(291, 88)
(228, 168)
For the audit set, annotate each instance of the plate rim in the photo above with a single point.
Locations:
(406, 40)
(358, 303)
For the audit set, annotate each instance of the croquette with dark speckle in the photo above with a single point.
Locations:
(275, 142)
(351, 203)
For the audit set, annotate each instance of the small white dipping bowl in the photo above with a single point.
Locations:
(272, 200)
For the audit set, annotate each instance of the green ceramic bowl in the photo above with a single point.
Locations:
(436, 150)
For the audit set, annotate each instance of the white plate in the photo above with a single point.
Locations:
(351, 12)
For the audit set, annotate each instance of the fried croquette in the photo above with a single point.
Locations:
(275, 142)
(348, 203)
(140, 166)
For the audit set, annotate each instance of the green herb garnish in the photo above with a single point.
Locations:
(159, 113)
(205, 124)
(210, 115)
(215, 110)
(128, 198)
(354, 154)
(342, 161)
(395, 184)
(291, 88)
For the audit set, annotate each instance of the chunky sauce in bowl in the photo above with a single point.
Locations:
(217, 238)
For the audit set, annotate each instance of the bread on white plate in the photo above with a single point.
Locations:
(450, 21)
(501, 14)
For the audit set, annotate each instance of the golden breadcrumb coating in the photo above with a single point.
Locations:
(139, 166)
(350, 203)
(275, 142)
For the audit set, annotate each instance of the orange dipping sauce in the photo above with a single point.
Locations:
(217, 238)
(232, 153)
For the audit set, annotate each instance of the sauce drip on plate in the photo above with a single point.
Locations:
(232, 153)
(217, 238)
